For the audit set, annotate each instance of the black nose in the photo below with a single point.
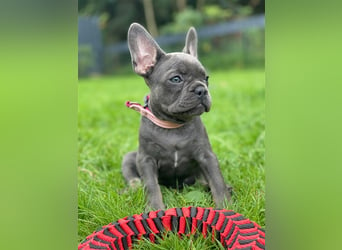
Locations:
(200, 91)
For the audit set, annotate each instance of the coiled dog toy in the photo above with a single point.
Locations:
(232, 229)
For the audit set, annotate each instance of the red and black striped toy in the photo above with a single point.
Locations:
(232, 229)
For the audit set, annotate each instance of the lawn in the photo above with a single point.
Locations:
(107, 130)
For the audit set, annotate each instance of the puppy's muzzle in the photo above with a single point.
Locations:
(201, 91)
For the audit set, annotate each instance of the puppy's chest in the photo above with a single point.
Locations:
(173, 155)
(177, 162)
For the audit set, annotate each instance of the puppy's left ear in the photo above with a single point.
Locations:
(191, 42)
(145, 52)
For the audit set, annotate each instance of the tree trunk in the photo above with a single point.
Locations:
(200, 4)
(150, 19)
(181, 5)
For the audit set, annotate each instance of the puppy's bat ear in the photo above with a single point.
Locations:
(191, 42)
(145, 52)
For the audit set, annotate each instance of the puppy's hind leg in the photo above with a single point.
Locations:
(129, 170)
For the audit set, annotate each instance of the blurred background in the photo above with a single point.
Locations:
(231, 32)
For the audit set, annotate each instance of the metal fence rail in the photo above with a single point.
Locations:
(220, 29)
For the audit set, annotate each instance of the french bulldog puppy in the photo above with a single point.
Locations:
(174, 148)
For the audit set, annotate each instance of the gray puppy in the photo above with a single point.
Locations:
(174, 148)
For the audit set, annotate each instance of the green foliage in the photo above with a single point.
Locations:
(210, 14)
(214, 13)
(108, 130)
(241, 50)
(182, 21)
(116, 16)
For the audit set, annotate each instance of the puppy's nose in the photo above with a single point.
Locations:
(200, 91)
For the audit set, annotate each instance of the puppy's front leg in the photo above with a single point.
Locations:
(211, 171)
(147, 168)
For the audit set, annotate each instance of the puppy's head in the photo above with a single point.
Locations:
(178, 81)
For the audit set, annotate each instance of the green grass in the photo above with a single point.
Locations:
(108, 130)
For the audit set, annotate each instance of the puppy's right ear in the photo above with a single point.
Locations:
(191, 42)
(145, 52)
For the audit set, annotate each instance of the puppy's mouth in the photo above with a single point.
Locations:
(197, 110)
(206, 106)
(191, 110)
(203, 105)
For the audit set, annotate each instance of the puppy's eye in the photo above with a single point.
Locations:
(176, 79)
(207, 79)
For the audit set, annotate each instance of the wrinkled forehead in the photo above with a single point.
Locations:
(184, 63)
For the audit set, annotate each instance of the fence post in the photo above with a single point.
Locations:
(90, 53)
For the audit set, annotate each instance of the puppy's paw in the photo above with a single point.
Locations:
(150, 207)
(135, 183)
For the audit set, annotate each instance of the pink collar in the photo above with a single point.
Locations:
(144, 111)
